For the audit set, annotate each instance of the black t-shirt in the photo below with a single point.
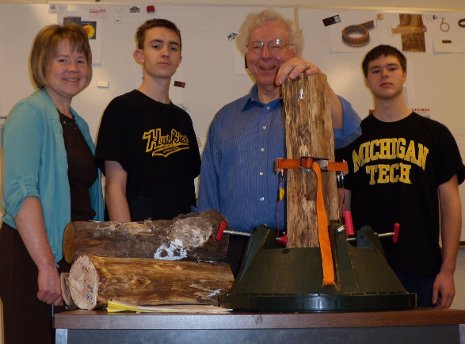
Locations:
(156, 145)
(395, 169)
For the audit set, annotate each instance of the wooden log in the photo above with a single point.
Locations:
(309, 133)
(189, 237)
(93, 281)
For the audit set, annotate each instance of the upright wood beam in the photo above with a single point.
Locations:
(309, 132)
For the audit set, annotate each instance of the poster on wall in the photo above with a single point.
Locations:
(367, 29)
(448, 30)
(91, 22)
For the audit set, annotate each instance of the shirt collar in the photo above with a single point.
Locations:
(252, 99)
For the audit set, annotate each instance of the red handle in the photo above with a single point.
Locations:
(395, 237)
(282, 240)
(348, 222)
(221, 228)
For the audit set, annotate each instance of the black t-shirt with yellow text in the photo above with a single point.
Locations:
(395, 169)
(156, 145)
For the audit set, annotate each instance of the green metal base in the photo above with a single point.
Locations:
(274, 279)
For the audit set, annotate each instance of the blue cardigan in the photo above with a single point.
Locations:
(35, 165)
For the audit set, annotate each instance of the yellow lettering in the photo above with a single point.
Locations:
(356, 159)
(410, 154)
(393, 176)
(389, 149)
(374, 155)
(405, 173)
(401, 148)
(165, 145)
(393, 148)
(365, 153)
(384, 149)
(383, 174)
(371, 170)
(151, 139)
(422, 154)
(389, 174)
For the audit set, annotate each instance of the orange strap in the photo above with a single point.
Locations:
(323, 234)
(307, 162)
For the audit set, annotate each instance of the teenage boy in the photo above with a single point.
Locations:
(405, 169)
(146, 145)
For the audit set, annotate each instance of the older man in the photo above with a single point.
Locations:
(247, 135)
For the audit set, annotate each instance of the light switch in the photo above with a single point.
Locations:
(103, 84)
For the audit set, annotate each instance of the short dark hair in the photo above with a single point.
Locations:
(383, 50)
(45, 46)
(150, 24)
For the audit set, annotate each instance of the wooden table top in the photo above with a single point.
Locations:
(83, 319)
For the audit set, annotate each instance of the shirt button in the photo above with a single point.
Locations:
(264, 127)
(262, 149)
(261, 173)
(262, 199)
(268, 108)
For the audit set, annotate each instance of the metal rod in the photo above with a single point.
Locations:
(237, 233)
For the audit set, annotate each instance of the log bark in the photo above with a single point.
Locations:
(309, 133)
(189, 237)
(93, 281)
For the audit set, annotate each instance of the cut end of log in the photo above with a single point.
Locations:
(83, 283)
(68, 300)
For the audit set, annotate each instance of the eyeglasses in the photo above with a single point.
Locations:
(274, 46)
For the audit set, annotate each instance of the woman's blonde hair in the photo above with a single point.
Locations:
(256, 19)
(45, 46)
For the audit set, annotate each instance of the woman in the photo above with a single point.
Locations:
(49, 179)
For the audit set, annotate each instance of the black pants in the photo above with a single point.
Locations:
(25, 318)
(421, 285)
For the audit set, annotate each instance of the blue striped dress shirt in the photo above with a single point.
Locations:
(237, 177)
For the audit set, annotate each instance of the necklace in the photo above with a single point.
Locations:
(69, 122)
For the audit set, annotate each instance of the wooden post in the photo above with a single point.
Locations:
(190, 237)
(309, 133)
(93, 281)
(412, 32)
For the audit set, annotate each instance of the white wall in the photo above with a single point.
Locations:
(212, 68)
(442, 5)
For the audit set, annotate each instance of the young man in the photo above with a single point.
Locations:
(406, 169)
(147, 145)
(247, 135)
